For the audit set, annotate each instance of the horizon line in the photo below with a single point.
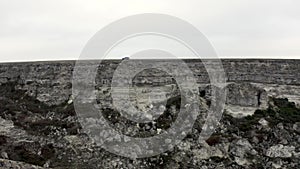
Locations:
(185, 58)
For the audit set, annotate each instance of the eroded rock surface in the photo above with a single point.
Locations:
(39, 127)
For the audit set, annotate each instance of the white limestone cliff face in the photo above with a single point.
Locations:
(245, 98)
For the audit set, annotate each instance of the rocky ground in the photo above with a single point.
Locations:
(37, 135)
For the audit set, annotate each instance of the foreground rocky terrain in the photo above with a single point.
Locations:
(260, 127)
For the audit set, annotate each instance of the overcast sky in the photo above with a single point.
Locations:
(59, 29)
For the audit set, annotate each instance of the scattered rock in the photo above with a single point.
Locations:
(4, 155)
(296, 127)
(240, 149)
(263, 122)
(280, 151)
(208, 152)
(8, 164)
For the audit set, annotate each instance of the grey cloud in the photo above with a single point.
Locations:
(50, 30)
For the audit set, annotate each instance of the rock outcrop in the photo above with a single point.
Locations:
(259, 129)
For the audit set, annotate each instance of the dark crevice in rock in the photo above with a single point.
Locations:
(258, 98)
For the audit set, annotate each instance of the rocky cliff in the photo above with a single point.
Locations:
(259, 129)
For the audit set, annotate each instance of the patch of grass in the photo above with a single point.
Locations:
(31, 114)
(282, 111)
